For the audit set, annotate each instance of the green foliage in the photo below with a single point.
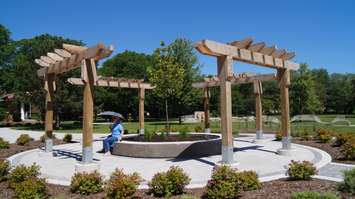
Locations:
(4, 169)
(183, 132)
(198, 129)
(31, 188)
(323, 135)
(4, 144)
(148, 135)
(68, 138)
(348, 185)
(313, 195)
(21, 173)
(301, 170)
(342, 138)
(169, 183)
(121, 186)
(86, 183)
(278, 136)
(24, 139)
(348, 150)
(228, 183)
(306, 135)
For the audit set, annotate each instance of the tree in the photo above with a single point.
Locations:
(303, 96)
(168, 76)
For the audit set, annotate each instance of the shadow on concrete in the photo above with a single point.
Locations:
(66, 154)
(255, 147)
(197, 159)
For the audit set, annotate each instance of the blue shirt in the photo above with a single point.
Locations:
(117, 130)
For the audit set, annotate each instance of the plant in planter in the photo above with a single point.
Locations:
(183, 133)
(68, 138)
(198, 129)
(278, 136)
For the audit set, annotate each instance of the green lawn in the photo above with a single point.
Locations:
(153, 126)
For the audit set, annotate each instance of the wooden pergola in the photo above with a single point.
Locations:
(243, 78)
(257, 54)
(69, 58)
(122, 83)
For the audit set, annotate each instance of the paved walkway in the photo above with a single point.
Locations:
(261, 158)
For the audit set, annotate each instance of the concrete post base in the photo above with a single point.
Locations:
(86, 167)
(141, 131)
(207, 130)
(233, 165)
(259, 134)
(87, 155)
(48, 145)
(286, 149)
(227, 155)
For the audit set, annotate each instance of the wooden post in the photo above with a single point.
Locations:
(284, 82)
(206, 106)
(141, 92)
(258, 109)
(88, 109)
(49, 87)
(225, 64)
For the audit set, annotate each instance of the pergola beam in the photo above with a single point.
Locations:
(113, 83)
(216, 49)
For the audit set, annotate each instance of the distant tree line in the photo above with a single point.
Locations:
(311, 91)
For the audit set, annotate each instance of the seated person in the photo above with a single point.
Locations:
(116, 132)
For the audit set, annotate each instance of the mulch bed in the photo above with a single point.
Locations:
(333, 151)
(14, 148)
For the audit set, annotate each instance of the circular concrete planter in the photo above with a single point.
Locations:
(179, 149)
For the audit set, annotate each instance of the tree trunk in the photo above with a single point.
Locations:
(167, 126)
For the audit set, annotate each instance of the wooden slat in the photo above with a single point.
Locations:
(47, 59)
(257, 47)
(288, 55)
(245, 43)
(62, 53)
(268, 50)
(245, 54)
(74, 49)
(258, 57)
(278, 53)
(55, 56)
(41, 63)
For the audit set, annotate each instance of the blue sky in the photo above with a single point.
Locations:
(322, 33)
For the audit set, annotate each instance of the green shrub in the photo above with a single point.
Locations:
(228, 183)
(323, 135)
(169, 183)
(342, 138)
(183, 133)
(305, 135)
(4, 144)
(121, 186)
(198, 129)
(67, 138)
(21, 173)
(248, 180)
(278, 136)
(86, 183)
(301, 170)
(4, 169)
(31, 188)
(348, 185)
(313, 195)
(24, 139)
(148, 135)
(348, 150)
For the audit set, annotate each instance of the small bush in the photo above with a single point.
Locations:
(68, 138)
(21, 173)
(248, 180)
(121, 186)
(148, 135)
(183, 133)
(313, 195)
(24, 139)
(278, 136)
(4, 144)
(348, 150)
(305, 135)
(86, 183)
(32, 188)
(341, 139)
(4, 169)
(169, 183)
(198, 129)
(301, 170)
(323, 135)
(348, 185)
(228, 183)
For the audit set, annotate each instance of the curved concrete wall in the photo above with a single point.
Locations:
(183, 149)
